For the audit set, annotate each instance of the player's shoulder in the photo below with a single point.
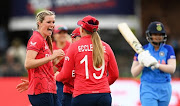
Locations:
(167, 46)
(36, 39)
(74, 45)
(105, 44)
(36, 36)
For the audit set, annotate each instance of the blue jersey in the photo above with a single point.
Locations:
(164, 53)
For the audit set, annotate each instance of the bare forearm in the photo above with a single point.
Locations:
(34, 63)
(167, 68)
(136, 69)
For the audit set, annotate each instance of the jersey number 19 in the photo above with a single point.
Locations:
(85, 59)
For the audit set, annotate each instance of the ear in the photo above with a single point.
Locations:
(39, 23)
(81, 29)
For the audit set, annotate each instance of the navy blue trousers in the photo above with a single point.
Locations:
(100, 99)
(66, 99)
(45, 99)
(60, 86)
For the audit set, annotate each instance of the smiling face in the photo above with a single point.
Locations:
(47, 25)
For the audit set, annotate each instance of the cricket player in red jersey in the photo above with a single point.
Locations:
(60, 34)
(76, 35)
(95, 66)
(69, 85)
(39, 62)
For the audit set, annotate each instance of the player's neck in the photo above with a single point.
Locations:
(84, 34)
(156, 48)
(42, 34)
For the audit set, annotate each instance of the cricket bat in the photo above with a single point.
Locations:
(130, 37)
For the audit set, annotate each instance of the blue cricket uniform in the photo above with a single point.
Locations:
(155, 88)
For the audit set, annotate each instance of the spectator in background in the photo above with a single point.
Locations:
(11, 66)
(17, 50)
(3, 41)
(13, 62)
(3, 45)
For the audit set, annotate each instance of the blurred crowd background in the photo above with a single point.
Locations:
(17, 21)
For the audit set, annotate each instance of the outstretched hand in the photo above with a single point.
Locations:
(22, 86)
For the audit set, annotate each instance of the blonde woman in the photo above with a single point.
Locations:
(39, 62)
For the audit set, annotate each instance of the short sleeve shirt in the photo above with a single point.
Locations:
(41, 79)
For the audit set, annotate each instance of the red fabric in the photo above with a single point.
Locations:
(76, 32)
(89, 23)
(68, 85)
(41, 79)
(88, 80)
(60, 64)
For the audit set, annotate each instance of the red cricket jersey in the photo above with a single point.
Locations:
(68, 85)
(88, 80)
(59, 65)
(41, 79)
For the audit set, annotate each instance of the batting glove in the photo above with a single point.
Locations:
(143, 55)
(150, 61)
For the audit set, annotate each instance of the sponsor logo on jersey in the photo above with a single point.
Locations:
(32, 44)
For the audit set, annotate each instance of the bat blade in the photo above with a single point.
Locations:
(130, 37)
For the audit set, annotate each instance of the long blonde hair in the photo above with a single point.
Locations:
(98, 50)
(39, 18)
